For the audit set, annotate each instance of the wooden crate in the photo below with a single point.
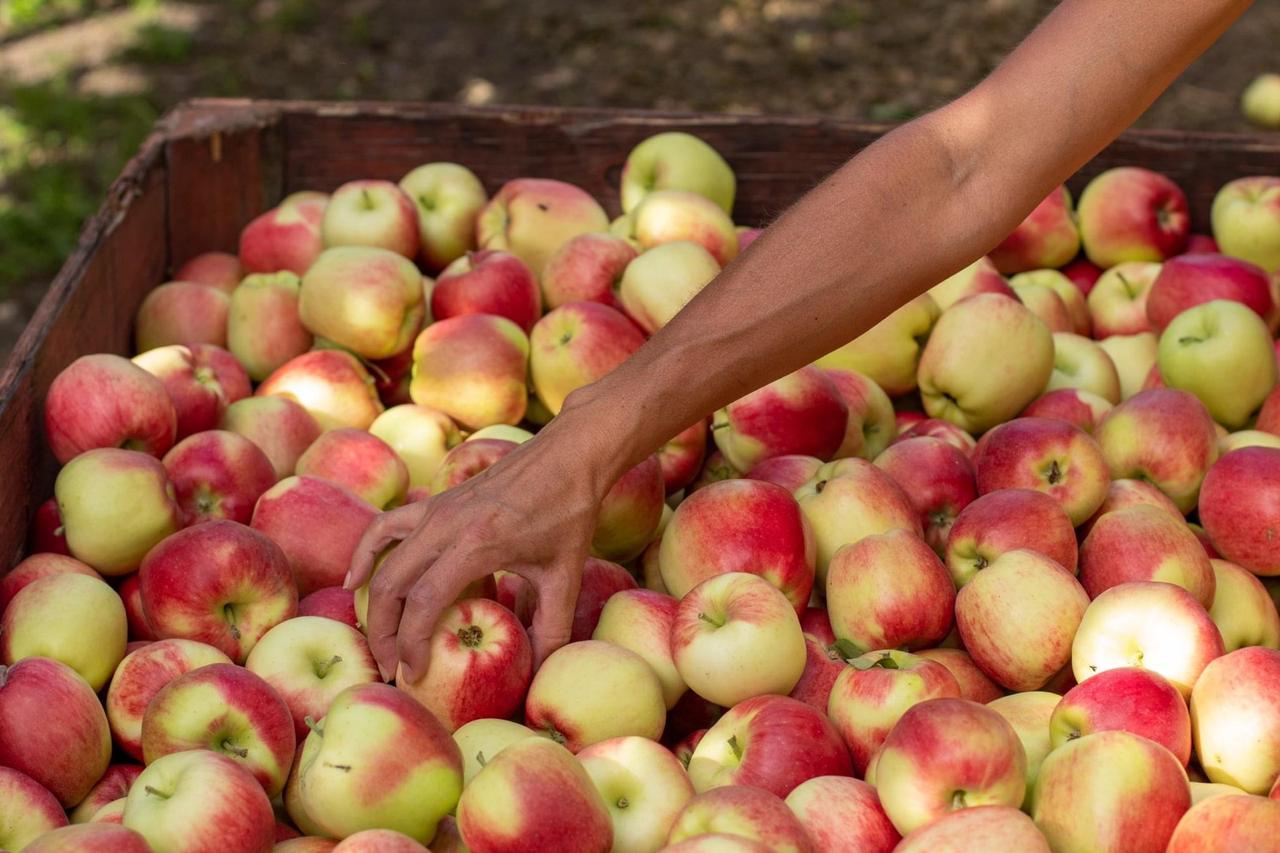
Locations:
(211, 165)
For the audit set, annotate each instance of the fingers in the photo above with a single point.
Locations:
(385, 528)
(387, 593)
(557, 587)
(431, 594)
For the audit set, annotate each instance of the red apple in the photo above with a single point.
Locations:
(286, 237)
(800, 413)
(1227, 823)
(90, 838)
(280, 427)
(216, 269)
(1191, 280)
(640, 620)
(533, 217)
(218, 474)
(601, 579)
(487, 282)
(630, 513)
(1046, 455)
(843, 815)
(182, 312)
(575, 345)
(992, 829)
(27, 810)
(1083, 273)
(823, 663)
(474, 368)
(467, 460)
(361, 462)
(1076, 406)
(1240, 508)
(974, 683)
(944, 430)
(330, 384)
(587, 268)
(47, 536)
(332, 602)
(739, 811)
(220, 583)
(1144, 543)
(107, 401)
(979, 277)
(35, 567)
(317, 524)
(1005, 520)
(1132, 214)
(202, 380)
(1235, 719)
(1127, 493)
(1047, 238)
(1128, 699)
(937, 478)
(1118, 300)
(682, 456)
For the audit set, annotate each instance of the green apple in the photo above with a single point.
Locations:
(676, 161)
(1133, 357)
(889, 352)
(1080, 363)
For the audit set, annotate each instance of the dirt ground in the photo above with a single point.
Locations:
(875, 59)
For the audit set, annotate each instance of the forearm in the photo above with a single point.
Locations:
(915, 207)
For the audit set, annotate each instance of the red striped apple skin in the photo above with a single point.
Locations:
(1132, 214)
(737, 810)
(332, 602)
(1235, 719)
(487, 282)
(38, 566)
(362, 462)
(534, 796)
(107, 401)
(936, 477)
(218, 474)
(182, 312)
(1074, 405)
(113, 785)
(1047, 455)
(822, 665)
(141, 675)
(1127, 493)
(226, 709)
(843, 815)
(1129, 699)
(286, 237)
(1226, 824)
(1006, 520)
(682, 456)
(216, 269)
(332, 385)
(791, 471)
(1145, 543)
(481, 665)
(27, 809)
(317, 524)
(90, 838)
(1046, 239)
(53, 728)
(630, 513)
(280, 427)
(1240, 508)
(975, 685)
(379, 841)
(1190, 280)
(991, 829)
(739, 526)
(801, 413)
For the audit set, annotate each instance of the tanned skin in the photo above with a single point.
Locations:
(920, 204)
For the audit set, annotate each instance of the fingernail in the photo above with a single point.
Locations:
(346, 581)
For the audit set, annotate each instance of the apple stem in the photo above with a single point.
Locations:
(722, 425)
(1055, 473)
(711, 620)
(958, 800)
(155, 793)
(322, 668)
(311, 724)
(229, 611)
(480, 759)
(228, 746)
(819, 486)
(736, 747)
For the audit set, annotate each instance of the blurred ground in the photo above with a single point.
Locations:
(82, 80)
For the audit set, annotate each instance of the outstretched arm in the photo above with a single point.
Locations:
(918, 205)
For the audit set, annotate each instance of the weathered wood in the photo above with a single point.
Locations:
(214, 164)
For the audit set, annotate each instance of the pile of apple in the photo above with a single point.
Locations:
(999, 575)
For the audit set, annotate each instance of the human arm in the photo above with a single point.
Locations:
(916, 206)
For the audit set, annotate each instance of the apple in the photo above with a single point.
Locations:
(683, 749)
(954, 435)
(791, 471)
(975, 685)
(226, 709)
(363, 463)
(662, 280)
(1132, 214)
(1226, 823)
(506, 432)
(130, 591)
(333, 602)
(670, 215)
(481, 740)
(676, 161)
(1246, 221)
(220, 583)
(979, 277)
(420, 437)
(682, 456)
(736, 636)
(1235, 719)
(35, 567)
(1164, 437)
(966, 376)
(90, 838)
(591, 691)
(889, 352)
(1144, 543)
(848, 500)
(1030, 714)
(27, 810)
(870, 427)
(889, 590)
(937, 479)
(309, 660)
(1238, 508)
(534, 795)
(1242, 609)
(52, 728)
(1134, 357)
(330, 384)
(1017, 618)
(264, 329)
(750, 814)
(1047, 238)
(1084, 274)
(317, 524)
(630, 513)
(1247, 438)
(473, 368)
(285, 238)
(576, 344)
(823, 663)
(181, 312)
(468, 459)
(1151, 624)
(218, 474)
(280, 427)
(1072, 297)
(447, 198)
(1076, 406)
(364, 299)
(379, 759)
(640, 620)
(215, 269)
(200, 800)
(1118, 302)
(115, 505)
(769, 742)
(379, 841)
(371, 213)
(993, 829)
(533, 217)
(46, 533)
(141, 675)
(1006, 520)
(587, 268)
(1047, 455)
(1136, 809)
(111, 814)
(714, 469)
(488, 282)
(68, 617)
(945, 755)
(1215, 340)
(801, 413)
(393, 376)
(643, 785)
(1269, 414)
(481, 664)
(1192, 280)
(1080, 363)
(1127, 493)
(842, 815)
(739, 526)
(600, 580)
(104, 400)
(1129, 699)
(1045, 303)
(201, 380)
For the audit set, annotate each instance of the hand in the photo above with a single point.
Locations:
(533, 513)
